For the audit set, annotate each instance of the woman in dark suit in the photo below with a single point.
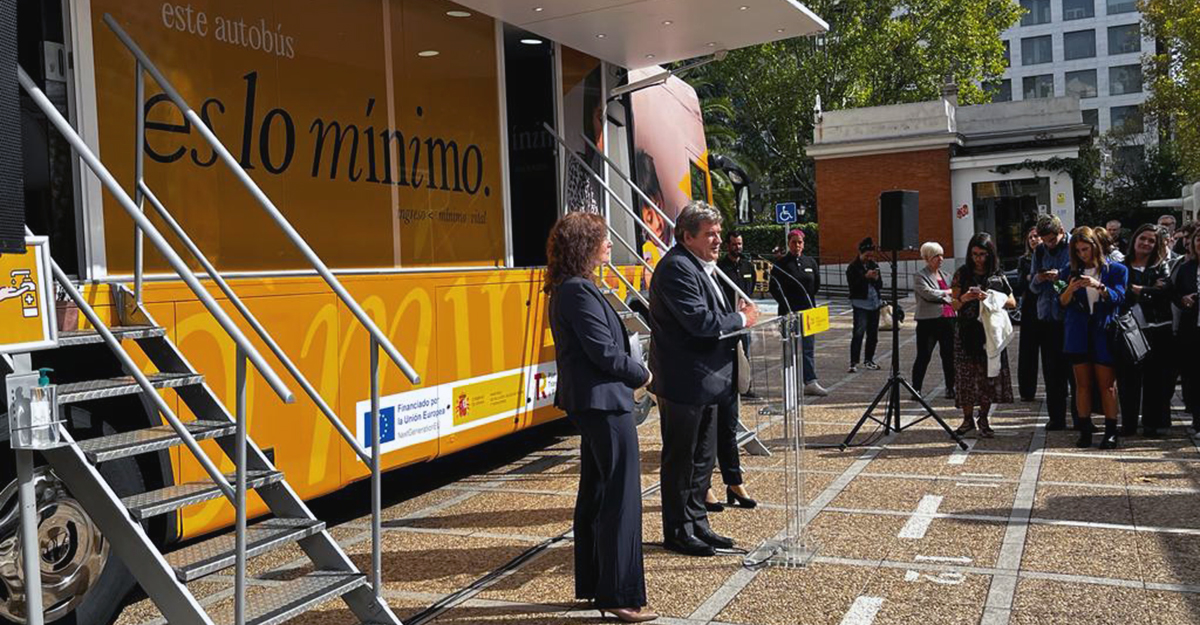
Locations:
(1092, 299)
(1185, 282)
(596, 380)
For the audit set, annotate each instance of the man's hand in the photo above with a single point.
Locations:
(751, 312)
(1189, 301)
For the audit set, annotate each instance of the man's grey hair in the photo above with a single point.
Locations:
(694, 215)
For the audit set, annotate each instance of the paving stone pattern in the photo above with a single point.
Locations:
(1023, 528)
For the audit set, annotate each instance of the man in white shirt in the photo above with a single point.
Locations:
(693, 373)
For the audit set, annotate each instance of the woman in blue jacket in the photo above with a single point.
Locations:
(1091, 299)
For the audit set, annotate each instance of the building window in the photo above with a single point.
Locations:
(1121, 6)
(1006, 207)
(1078, 9)
(1080, 44)
(1127, 119)
(1001, 90)
(1038, 86)
(1130, 159)
(1124, 79)
(1081, 84)
(1091, 117)
(1037, 50)
(1007, 53)
(1036, 12)
(1124, 39)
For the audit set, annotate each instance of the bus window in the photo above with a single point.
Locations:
(532, 165)
(699, 182)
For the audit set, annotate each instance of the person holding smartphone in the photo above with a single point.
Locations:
(1091, 301)
(972, 284)
(866, 285)
(1051, 263)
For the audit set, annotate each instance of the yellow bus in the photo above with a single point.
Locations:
(422, 148)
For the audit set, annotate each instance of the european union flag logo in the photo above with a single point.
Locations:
(387, 426)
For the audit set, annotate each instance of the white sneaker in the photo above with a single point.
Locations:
(815, 389)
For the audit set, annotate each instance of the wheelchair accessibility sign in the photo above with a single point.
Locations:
(785, 213)
(27, 320)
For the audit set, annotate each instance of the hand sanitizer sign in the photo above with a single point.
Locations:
(27, 320)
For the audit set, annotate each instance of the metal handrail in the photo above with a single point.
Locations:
(720, 275)
(628, 285)
(148, 389)
(311, 256)
(623, 176)
(255, 325)
(109, 182)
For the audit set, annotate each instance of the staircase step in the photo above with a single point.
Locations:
(215, 554)
(145, 505)
(88, 337)
(270, 605)
(114, 387)
(150, 439)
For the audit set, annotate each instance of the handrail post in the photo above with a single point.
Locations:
(139, 171)
(28, 507)
(239, 593)
(376, 479)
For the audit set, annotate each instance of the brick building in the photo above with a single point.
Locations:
(954, 157)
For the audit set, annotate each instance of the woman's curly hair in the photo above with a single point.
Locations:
(572, 246)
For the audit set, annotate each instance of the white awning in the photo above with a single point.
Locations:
(639, 33)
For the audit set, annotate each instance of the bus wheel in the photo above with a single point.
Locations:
(82, 580)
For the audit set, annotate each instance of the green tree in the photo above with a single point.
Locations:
(876, 52)
(1172, 73)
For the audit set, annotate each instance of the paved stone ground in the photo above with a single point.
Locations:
(1022, 528)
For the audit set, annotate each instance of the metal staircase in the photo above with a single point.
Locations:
(120, 519)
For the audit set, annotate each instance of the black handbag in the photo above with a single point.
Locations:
(1128, 342)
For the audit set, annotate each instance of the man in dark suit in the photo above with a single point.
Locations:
(693, 373)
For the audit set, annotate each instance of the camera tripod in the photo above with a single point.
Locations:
(891, 389)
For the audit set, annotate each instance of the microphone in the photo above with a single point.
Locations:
(770, 274)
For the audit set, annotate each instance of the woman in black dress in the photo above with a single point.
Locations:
(596, 380)
(973, 387)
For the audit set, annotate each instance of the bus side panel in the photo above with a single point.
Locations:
(305, 445)
(484, 345)
(403, 307)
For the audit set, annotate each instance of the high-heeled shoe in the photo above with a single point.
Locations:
(735, 499)
(985, 429)
(630, 615)
(714, 506)
(967, 426)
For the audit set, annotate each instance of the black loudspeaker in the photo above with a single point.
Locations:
(898, 220)
(12, 189)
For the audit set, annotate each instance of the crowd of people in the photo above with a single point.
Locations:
(1069, 291)
(1073, 287)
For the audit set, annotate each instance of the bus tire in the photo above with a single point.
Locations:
(79, 549)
